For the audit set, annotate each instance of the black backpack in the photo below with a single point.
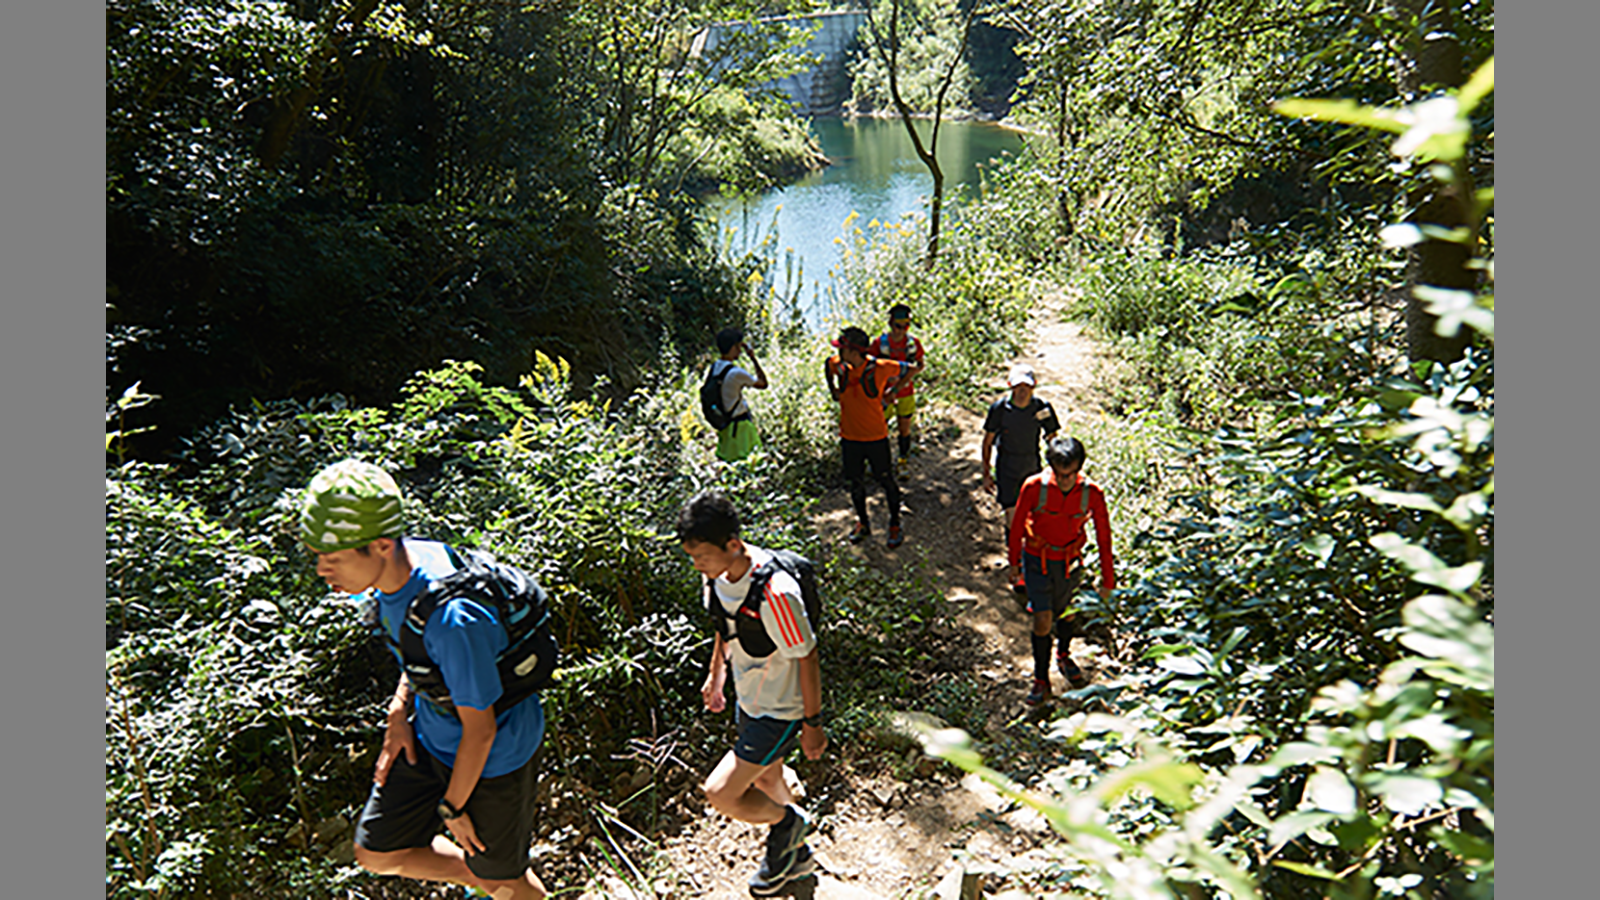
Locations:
(745, 624)
(529, 661)
(711, 397)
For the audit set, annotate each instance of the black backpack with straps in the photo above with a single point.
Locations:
(529, 661)
(711, 397)
(745, 623)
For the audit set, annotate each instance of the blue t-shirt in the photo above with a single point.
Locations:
(463, 638)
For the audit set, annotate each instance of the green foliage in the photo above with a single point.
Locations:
(1211, 337)
(1166, 105)
(929, 35)
(734, 141)
(431, 182)
(1314, 711)
(242, 698)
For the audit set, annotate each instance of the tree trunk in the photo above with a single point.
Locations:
(889, 54)
(1432, 61)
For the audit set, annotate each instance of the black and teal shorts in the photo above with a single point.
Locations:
(764, 741)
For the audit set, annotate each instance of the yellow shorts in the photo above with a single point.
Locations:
(904, 407)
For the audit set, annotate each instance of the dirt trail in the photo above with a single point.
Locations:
(886, 838)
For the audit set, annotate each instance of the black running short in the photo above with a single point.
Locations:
(402, 813)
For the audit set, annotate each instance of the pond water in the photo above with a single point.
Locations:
(876, 174)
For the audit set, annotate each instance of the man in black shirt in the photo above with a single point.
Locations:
(1017, 423)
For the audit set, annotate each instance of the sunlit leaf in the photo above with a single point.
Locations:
(1480, 85)
(1347, 111)
(1400, 235)
(1183, 665)
(1319, 547)
(1398, 498)
(1299, 752)
(1456, 579)
(1454, 309)
(1297, 823)
(1435, 130)
(1170, 782)
(1446, 629)
(1407, 794)
(1304, 869)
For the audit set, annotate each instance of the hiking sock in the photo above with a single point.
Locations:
(1066, 630)
(1041, 657)
(905, 445)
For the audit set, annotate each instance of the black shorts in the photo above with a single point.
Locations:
(764, 741)
(402, 814)
(1008, 488)
(1050, 584)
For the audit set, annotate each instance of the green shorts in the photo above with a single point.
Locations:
(904, 407)
(737, 440)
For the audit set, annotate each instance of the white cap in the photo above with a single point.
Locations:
(1020, 374)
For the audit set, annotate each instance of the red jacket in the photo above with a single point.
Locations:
(1056, 530)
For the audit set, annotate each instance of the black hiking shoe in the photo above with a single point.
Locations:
(768, 882)
(861, 532)
(896, 538)
(1040, 692)
(1069, 670)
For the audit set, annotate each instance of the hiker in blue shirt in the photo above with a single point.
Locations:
(470, 770)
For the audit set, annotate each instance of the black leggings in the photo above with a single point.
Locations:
(857, 456)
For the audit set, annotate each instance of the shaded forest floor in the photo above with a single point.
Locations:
(892, 827)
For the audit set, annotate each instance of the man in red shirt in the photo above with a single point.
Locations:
(864, 386)
(897, 343)
(1047, 538)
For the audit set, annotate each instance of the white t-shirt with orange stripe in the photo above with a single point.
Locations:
(770, 686)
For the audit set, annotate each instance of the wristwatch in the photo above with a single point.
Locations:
(816, 721)
(447, 811)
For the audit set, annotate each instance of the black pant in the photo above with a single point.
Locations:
(857, 456)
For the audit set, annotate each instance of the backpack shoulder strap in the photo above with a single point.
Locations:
(883, 344)
(759, 576)
(1044, 494)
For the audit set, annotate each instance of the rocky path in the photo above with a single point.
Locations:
(888, 838)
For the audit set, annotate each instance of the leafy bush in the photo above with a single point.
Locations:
(1316, 715)
(242, 700)
(1205, 339)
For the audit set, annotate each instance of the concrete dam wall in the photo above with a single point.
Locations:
(820, 89)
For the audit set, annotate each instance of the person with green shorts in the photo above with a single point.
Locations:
(740, 438)
(898, 344)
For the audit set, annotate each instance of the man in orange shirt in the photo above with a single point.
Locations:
(864, 387)
(1047, 538)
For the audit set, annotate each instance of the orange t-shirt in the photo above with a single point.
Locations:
(861, 417)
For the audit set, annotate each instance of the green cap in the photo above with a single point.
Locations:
(349, 504)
